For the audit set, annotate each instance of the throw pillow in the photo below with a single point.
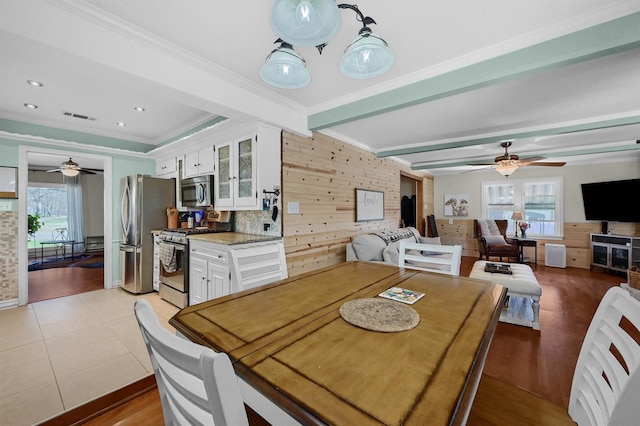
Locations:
(391, 254)
(368, 247)
(495, 239)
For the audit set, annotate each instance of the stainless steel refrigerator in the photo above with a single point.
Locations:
(143, 208)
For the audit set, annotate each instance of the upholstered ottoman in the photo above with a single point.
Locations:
(523, 292)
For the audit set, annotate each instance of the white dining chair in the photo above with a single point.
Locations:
(197, 386)
(430, 257)
(606, 380)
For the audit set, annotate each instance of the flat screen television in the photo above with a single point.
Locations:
(613, 201)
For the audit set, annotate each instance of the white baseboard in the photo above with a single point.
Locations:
(7, 304)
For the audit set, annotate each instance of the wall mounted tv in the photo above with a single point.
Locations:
(614, 201)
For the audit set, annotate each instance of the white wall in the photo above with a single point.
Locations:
(573, 176)
(93, 205)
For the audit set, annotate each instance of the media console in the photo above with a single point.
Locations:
(615, 252)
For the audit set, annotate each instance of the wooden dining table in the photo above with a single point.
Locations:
(299, 361)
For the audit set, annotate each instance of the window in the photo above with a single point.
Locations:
(539, 200)
(49, 200)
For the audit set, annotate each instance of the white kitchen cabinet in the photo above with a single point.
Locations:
(216, 269)
(255, 265)
(166, 167)
(209, 273)
(236, 183)
(199, 162)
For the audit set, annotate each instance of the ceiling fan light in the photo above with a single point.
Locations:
(367, 56)
(70, 172)
(285, 69)
(506, 169)
(306, 22)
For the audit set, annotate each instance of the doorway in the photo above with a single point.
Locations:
(100, 272)
(411, 200)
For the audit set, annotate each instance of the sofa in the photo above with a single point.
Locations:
(384, 246)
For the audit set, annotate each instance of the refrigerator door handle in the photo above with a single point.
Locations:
(129, 249)
(124, 201)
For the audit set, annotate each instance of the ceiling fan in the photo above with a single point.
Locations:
(508, 163)
(71, 168)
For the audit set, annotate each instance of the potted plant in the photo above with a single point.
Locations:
(34, 224)
(523, 228)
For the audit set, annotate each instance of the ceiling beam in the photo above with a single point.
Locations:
(600, 40)
(559, 154)
(549, 131)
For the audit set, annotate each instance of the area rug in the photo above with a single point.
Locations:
(97, 264)
(379, 315)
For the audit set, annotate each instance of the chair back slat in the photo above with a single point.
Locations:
(197, 386)
(430, 257)
(606, 382)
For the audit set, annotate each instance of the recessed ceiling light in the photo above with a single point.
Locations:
(32, 106)
(121, 124)
(35, 83)
(140, 109)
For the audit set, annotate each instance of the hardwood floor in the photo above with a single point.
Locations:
(65, 280)
(538, 361)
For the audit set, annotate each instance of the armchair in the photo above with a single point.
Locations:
(493, 241)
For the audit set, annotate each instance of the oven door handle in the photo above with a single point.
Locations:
(178, 246)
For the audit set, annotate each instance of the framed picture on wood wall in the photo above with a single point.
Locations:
(369, 205)
(8, 182)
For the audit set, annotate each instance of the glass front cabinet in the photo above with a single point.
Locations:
(236, 184)
(615, 252)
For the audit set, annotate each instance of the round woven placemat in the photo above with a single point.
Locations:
(379, 315)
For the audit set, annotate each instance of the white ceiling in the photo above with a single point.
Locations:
(190, 62)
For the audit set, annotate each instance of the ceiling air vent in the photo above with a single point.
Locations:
(80, 116)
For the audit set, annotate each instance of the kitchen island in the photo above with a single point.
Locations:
(222, 263)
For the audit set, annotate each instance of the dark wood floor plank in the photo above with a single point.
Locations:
(57, 282)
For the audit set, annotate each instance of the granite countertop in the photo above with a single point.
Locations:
(232, 238)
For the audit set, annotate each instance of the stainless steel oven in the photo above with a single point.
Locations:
(174, 261)
(174, 268)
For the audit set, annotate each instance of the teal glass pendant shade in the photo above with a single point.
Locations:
(368, 56)
(285, 69)
(305, 22)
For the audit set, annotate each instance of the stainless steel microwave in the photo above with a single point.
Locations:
(197, 191)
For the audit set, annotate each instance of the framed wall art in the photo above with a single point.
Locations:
(8, 182)
(456, 205)
(369, 205)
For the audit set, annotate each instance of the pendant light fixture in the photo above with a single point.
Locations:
(285, 69)
(306, 22)
(314, 23)
(368, 56)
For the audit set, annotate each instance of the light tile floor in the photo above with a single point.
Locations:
(61, 353)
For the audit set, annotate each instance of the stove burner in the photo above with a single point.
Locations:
(189, 231)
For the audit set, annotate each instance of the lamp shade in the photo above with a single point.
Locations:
(285, 69)
(368, 56)
(70, 172)
(516, 216)
(305, 22)
(506, 169)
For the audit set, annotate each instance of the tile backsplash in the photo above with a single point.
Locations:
(8, 255)
(253, 222)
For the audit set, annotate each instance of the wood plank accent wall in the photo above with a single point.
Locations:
(576, 239)
(321, 174)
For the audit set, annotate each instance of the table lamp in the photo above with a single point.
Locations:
(516, 216)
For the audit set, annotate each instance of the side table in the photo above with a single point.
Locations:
(527, 242)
